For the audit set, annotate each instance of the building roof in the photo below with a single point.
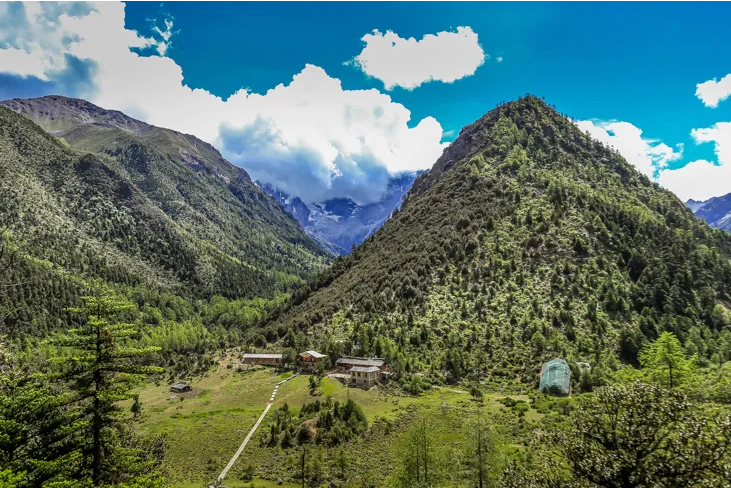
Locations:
(377, 362)
(179, 384)
(314, 354)
(364, 369)
(249, 355)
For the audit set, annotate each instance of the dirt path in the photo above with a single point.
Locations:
(253, 429)
(243, 444)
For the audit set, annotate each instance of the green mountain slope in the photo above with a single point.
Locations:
(117, 199)
(527, 240)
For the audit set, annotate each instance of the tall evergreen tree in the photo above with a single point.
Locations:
(485, 453)
(665, 361)
(420, 462)
(38, 439)
(102, 368)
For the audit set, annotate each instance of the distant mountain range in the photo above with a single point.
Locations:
(716, 211)
(340, 223)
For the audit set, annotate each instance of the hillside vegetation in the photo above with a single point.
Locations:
(527, 239)
(136, 206)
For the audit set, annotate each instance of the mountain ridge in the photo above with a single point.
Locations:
(527, 239)
(339, 224)
(716, 211)
(145, 207)
(70, 117)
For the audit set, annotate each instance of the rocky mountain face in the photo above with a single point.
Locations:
(716, 211)
(112, 198)
(340, 223)
(527, 240)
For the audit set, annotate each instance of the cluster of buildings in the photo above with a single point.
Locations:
(361, 372)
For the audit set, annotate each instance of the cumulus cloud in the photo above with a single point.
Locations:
(25, 63)
(649, 156)
(408, 63)
(702, 179)
(339, 142)
(310, 137)
(699, 180)
(713, 92)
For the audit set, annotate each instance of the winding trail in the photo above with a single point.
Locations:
(253, 430)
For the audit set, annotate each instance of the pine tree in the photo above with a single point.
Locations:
(37, 439)
(313, 385)
(36, 443)
(342, 462)
(665, 361)
(102, 368)
(420, 462)
(485, 453)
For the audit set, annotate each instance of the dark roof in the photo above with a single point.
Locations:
(377, 362)
(364, 369)
(262, 356)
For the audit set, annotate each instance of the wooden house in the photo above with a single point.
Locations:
(310, 360)
(263, 359)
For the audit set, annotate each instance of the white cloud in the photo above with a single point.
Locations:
(702, 179)
(499, 59)
(311, 137)
(647, 155)
(39, 37)
(24, 62)
(713, 92)
(339, 142)
(720, 134)
(165, 34)
(699, 180)
(408, 63)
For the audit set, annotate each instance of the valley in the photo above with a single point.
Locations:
(341, 224)
(338, 245)
(205, 426)
(151, 211)
(142, 259)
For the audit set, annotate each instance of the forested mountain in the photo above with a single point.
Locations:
(113, 198)
(716, 211)
(340, 223)
(528, 239)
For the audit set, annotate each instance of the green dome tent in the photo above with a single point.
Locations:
(555, 378)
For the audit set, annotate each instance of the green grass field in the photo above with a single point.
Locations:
(205, 426)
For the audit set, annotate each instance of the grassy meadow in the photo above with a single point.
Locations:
(204, 427)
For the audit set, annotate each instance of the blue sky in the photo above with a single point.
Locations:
(635, 63)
